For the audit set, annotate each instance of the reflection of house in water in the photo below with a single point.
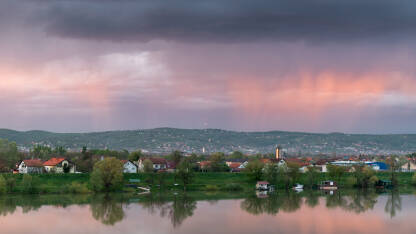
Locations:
(262, 194)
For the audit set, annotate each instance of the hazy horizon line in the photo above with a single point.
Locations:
(201, 129)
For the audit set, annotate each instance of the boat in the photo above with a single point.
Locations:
(262, 185)
(383, 184)
(298, 187)
(328, 185)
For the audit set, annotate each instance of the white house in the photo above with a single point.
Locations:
(158, 163)
(30, 166)
(409, 166)
(129, 166)
(58, 165)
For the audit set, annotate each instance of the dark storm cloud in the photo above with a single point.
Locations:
(230, 21)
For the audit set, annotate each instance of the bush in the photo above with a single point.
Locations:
(44, 189)
(76, 187)
(129, 190)
(351, 182)
(27, 184)
(211, 187)
(414, 179)
(11, 184)
(373, 180)
(233, 187)
(3, 188)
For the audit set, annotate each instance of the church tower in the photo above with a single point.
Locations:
(279, 153)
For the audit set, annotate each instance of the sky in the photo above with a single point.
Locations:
(316, 66)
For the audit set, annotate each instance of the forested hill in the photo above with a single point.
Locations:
(163, 140)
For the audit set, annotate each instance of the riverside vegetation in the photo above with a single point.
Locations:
(198, 181)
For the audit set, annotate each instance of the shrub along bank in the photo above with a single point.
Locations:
(208, 181)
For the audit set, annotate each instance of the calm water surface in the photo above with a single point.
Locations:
(306, 212)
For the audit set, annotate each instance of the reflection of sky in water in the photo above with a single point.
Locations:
(224, 216)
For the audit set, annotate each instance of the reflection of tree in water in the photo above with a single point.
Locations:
(155, 202)
(182, 208)
(177, 210)
(336, 200)
(107, 210)
(7, 206)
(292, 202)
(362, 201)
(311, 198)
(287, 202)
(357, 201)
(254, 205)
(394, 203)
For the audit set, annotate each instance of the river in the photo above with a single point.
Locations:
(345, 211)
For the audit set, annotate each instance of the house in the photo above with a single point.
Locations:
(410, 165)
(266, 161)
(235, 167)
(322, 168)
(30, 166)
(204, 165)
(232, 161)
(262, 185)
(297, 161)
(377, 166)
(129, 166)
(171, 166)
(243, 165)
(158, 163)
(58, 165)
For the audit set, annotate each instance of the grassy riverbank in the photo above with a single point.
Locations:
(64, 183)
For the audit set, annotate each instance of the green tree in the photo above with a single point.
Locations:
(364, 175)
(217, 157)
(59, 150)
(185, 172)
(8, 153)
(336, 172)
(237, 155)
(255, 169)
(135, 156)
(42, 151)
(271, 172)
(293, 171)
(311, 176)
(11, 184)
(148, 166)
(107, 175)
(27, 184)
(3, 185)
(176, 156)
(218, 163)
(395, 164)
(284, 177)
(161, 178)
(193, 158)
(414, 179)
(217, 166)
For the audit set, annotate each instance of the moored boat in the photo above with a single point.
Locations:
(298, 187)
(328, 185)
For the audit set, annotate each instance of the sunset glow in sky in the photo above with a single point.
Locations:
(321, 66)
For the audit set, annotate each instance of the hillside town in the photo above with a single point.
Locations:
(216, 162)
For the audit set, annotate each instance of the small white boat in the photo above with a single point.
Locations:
(298, 187)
